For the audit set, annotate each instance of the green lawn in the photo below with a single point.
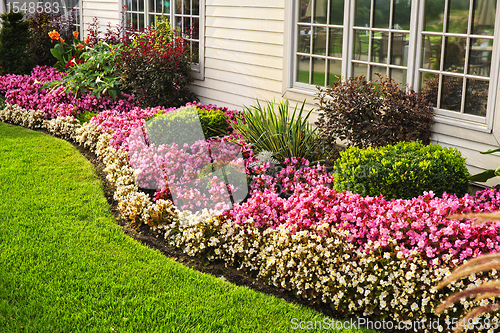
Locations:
(66, 266)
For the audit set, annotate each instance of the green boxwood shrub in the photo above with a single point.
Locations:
(182, 125)
(403, 170)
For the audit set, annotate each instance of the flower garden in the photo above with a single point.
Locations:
(295, 227)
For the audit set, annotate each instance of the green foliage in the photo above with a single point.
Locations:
(14, 39)
(40, 42)
(98, 73)
(287, 135)
(373, 114)
(401, 171)
(2, 102)
(84, 117)
(183, 126)
(485, 175)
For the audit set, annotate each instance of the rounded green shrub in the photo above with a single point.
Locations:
(403, 171)
(183, 125)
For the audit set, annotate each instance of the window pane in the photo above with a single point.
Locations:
(380, 42)
(321, 7)
(476, 97)
(429, 84)
(363, 13)
(141, 5)
(382, 13)
(152, 19)
(303, 69)
(305, 11)
(434, 13)
(134, 5)
(458, 16)
(484, 17)
(402, 11)
(334, 71)
(186, 26)
(304, 40)
(451, 93)
(359, 69)
(152, 6)
(195, 28)
(398, 75)
(179, 6)
(318, 72)
(141, 21)
(377, 70)
(319, 42)
(454, 57)
(337, 12)
(335, 43)
(196, 7)
(163, 6)
(399, 49)
(195, 52)
(480, 56)
(431, 52)
(361, 45)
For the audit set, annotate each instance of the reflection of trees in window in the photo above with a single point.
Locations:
(363, 13)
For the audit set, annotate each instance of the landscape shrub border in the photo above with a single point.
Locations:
(334, 270)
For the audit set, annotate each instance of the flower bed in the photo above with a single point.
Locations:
(361, 255)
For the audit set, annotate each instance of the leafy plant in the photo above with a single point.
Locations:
(401, 171)
(156, 67)
(485, 175)
(40, 26)
(67, 55)
(287, 135)
(14, 38)
(98, 73)
(84, 117)
(183, 125)
(373, 114)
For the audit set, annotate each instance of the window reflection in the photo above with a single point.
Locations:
(484, 17)
(476, 97)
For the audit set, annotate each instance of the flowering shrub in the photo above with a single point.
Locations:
(67, 54)
(156, 69)
(27, 91)
(96, 72)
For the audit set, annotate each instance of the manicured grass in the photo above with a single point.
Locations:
(66, 266)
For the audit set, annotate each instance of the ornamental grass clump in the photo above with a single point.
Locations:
(287, 134)
(401, 171)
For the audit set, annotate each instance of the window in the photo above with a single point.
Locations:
(184, 16)
(443, 48)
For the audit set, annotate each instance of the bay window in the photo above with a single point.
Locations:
(445, 49)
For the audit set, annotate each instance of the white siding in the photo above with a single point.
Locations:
(105, 10)
(243, 52)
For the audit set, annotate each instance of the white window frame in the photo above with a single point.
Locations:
(482, 124)
(197, 70)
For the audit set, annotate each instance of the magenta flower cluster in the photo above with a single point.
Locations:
(28, 92)
(419, 225)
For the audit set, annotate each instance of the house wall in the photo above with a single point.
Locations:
(105, 11)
